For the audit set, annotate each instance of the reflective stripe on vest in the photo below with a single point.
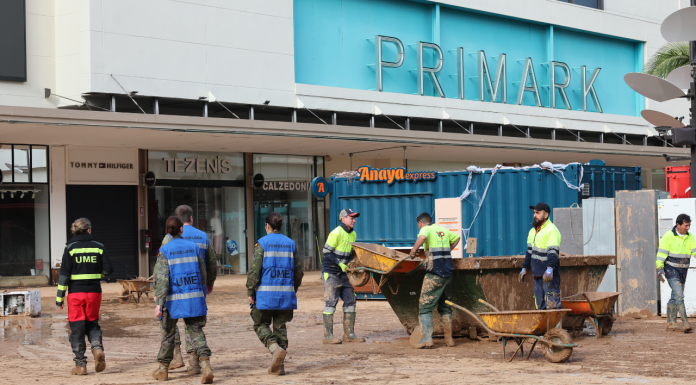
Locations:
(186, 295)
(77, 277)
(679, 265)
(276, 289)
(87, 250)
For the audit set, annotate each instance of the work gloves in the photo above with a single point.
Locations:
(343, 267)
(661, 275)
(412, 254)
(522, 273)
(548, 275)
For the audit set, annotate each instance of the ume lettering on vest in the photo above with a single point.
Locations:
(280, 273)
(186, 281)
(86, 259)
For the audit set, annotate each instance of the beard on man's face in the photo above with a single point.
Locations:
(537, 222)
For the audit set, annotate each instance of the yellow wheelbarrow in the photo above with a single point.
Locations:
(134, 288)
(372, 258)
(520, 326)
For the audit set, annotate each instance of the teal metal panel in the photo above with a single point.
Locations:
(334, 46)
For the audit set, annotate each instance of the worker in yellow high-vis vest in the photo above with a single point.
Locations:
(677, 246)
(337, 254)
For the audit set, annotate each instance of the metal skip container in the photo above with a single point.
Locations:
(493, 279)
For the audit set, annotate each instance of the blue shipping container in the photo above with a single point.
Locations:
(388, 212)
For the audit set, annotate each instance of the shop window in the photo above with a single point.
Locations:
(24, 211)
(286, 191)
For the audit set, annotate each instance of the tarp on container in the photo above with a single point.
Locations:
(388, 211)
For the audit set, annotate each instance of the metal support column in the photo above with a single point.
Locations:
(113, 103)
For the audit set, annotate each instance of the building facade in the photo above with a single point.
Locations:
(235, 106)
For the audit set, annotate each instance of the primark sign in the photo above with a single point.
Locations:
(492, 83)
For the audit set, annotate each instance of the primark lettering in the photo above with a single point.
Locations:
(497, 88)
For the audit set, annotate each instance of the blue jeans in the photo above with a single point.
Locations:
(547, 295)
(676, 278)
(337, 286)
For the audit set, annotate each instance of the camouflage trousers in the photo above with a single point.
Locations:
(195, 338)
(262, 326)
(435, 291)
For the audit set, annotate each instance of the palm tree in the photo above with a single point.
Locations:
(668, 58)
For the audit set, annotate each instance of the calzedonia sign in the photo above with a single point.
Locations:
(391, 175)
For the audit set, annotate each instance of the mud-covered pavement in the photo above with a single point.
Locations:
(34, 351)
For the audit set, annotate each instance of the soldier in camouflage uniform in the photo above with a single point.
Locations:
(185, 213)
(193, 324)
(278, 305)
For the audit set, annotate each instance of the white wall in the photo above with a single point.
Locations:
(241, 51)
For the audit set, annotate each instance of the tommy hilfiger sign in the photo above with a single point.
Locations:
(127, 166)
(108, 166)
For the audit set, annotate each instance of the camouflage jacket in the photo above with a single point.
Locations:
(162, 276)
(254, 275)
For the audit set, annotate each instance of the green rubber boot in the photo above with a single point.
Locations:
(685, 326)
(671, 317)
(422, 336)
(328, 331)
(447, 327)
(349, 328)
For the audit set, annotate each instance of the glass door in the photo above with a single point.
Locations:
(217, 211)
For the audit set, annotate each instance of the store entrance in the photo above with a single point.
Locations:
(296, 222)
(217, 211)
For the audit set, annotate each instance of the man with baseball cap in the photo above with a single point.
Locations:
(543, 249)
(337, 253)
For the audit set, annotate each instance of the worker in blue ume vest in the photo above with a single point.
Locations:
(543, 249)
(273, 279)
(674, 254)
(180, 290)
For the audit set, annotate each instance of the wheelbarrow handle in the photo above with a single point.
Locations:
(495, 309)
(471, 313)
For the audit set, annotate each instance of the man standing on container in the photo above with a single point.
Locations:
(192, 234)
(274, 277)
(674, 254)
(437, 285)
(543, 249)
(337, 253)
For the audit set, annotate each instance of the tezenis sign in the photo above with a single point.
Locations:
(391, 175)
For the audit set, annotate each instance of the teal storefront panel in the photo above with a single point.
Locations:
(335, 46)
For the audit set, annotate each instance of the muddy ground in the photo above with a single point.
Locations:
(36, 350)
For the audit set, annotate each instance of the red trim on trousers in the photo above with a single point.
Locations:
(83, 306)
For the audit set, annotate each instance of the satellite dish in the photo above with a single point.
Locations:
(657, 119)
(680, 25)
(653, 87)
(681, 77)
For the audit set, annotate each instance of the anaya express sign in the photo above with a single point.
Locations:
(391, 175)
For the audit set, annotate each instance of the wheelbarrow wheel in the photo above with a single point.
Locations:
(358, 278)
(124, 296)
(607, 323)
(555, 354)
